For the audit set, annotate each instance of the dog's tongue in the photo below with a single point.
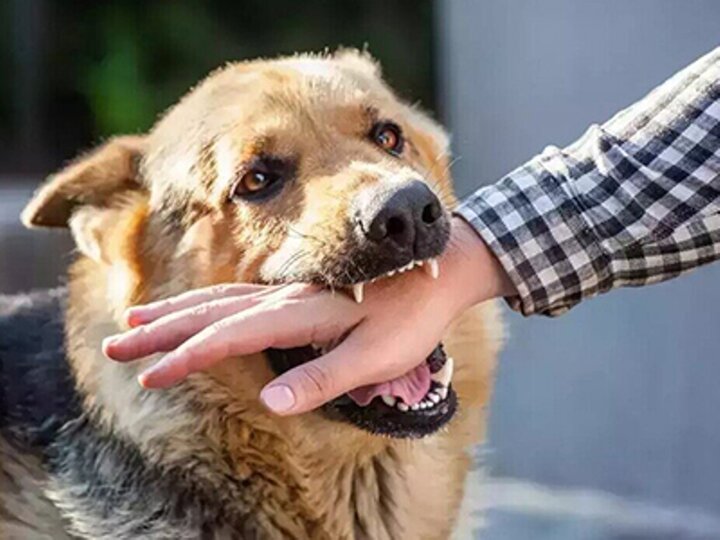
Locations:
(411, 387)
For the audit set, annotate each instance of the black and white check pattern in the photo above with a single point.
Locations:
(633, 202)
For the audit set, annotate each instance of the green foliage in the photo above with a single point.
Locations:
(151, 52)
(112, 66)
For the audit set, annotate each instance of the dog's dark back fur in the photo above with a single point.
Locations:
(37, 394)
(103, 481)
(36, 398)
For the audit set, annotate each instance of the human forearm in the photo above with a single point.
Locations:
(633, 202)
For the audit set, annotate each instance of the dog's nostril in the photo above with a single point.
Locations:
(403, 218)
(431, 213)
(395, 226)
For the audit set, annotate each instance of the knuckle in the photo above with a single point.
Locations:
(225, 289)
(144, 333)
(220, 290)
(202, 310)
(317, 380)
(216, 328)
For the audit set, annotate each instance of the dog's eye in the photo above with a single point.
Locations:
(263, 178)
(388, 136)
(255, 181)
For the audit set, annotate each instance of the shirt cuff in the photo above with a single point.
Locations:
(541, 239)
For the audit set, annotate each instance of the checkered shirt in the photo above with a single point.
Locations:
(633, 202)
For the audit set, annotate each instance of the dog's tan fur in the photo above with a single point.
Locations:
(151, 217)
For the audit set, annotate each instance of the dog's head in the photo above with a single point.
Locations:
(300, 169)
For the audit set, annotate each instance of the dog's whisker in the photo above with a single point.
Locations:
(287, 266)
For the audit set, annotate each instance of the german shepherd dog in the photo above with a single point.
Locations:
(268, 172)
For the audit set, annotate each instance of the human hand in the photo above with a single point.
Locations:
(393, 330)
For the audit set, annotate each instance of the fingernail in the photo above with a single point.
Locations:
(278, 398)
(152, 376)
(149, 379)
(143, 381)
(133, 319)
(109, 342)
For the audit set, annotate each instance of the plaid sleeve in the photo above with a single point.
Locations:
(633, 202)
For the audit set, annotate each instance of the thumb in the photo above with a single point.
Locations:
(309, 385)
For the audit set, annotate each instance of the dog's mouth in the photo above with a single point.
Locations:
(413, 405)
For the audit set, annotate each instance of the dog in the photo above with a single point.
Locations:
(300, 169)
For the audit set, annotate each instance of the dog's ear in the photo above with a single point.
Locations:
(360, 61)
(89, 181)
(72, 197)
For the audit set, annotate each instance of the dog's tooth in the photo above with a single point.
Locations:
(415, 407)
(444, 376)
(419, 263)
(358, 292)
(434, 397)
(391, 273)
(433, 268)
(402, 406)
(389, 400)
(442, 391)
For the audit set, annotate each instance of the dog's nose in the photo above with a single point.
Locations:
(404, 218)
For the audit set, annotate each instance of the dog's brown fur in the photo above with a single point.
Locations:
(151, 217)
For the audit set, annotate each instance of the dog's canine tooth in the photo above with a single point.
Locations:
(402, 407)
(389, 400)
(358, 292)
(434, 397)
(433, 268)
(442, 392)
(444, 376)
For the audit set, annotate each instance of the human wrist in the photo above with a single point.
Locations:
(472, 271)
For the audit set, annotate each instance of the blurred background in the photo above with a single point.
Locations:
(604, 422)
